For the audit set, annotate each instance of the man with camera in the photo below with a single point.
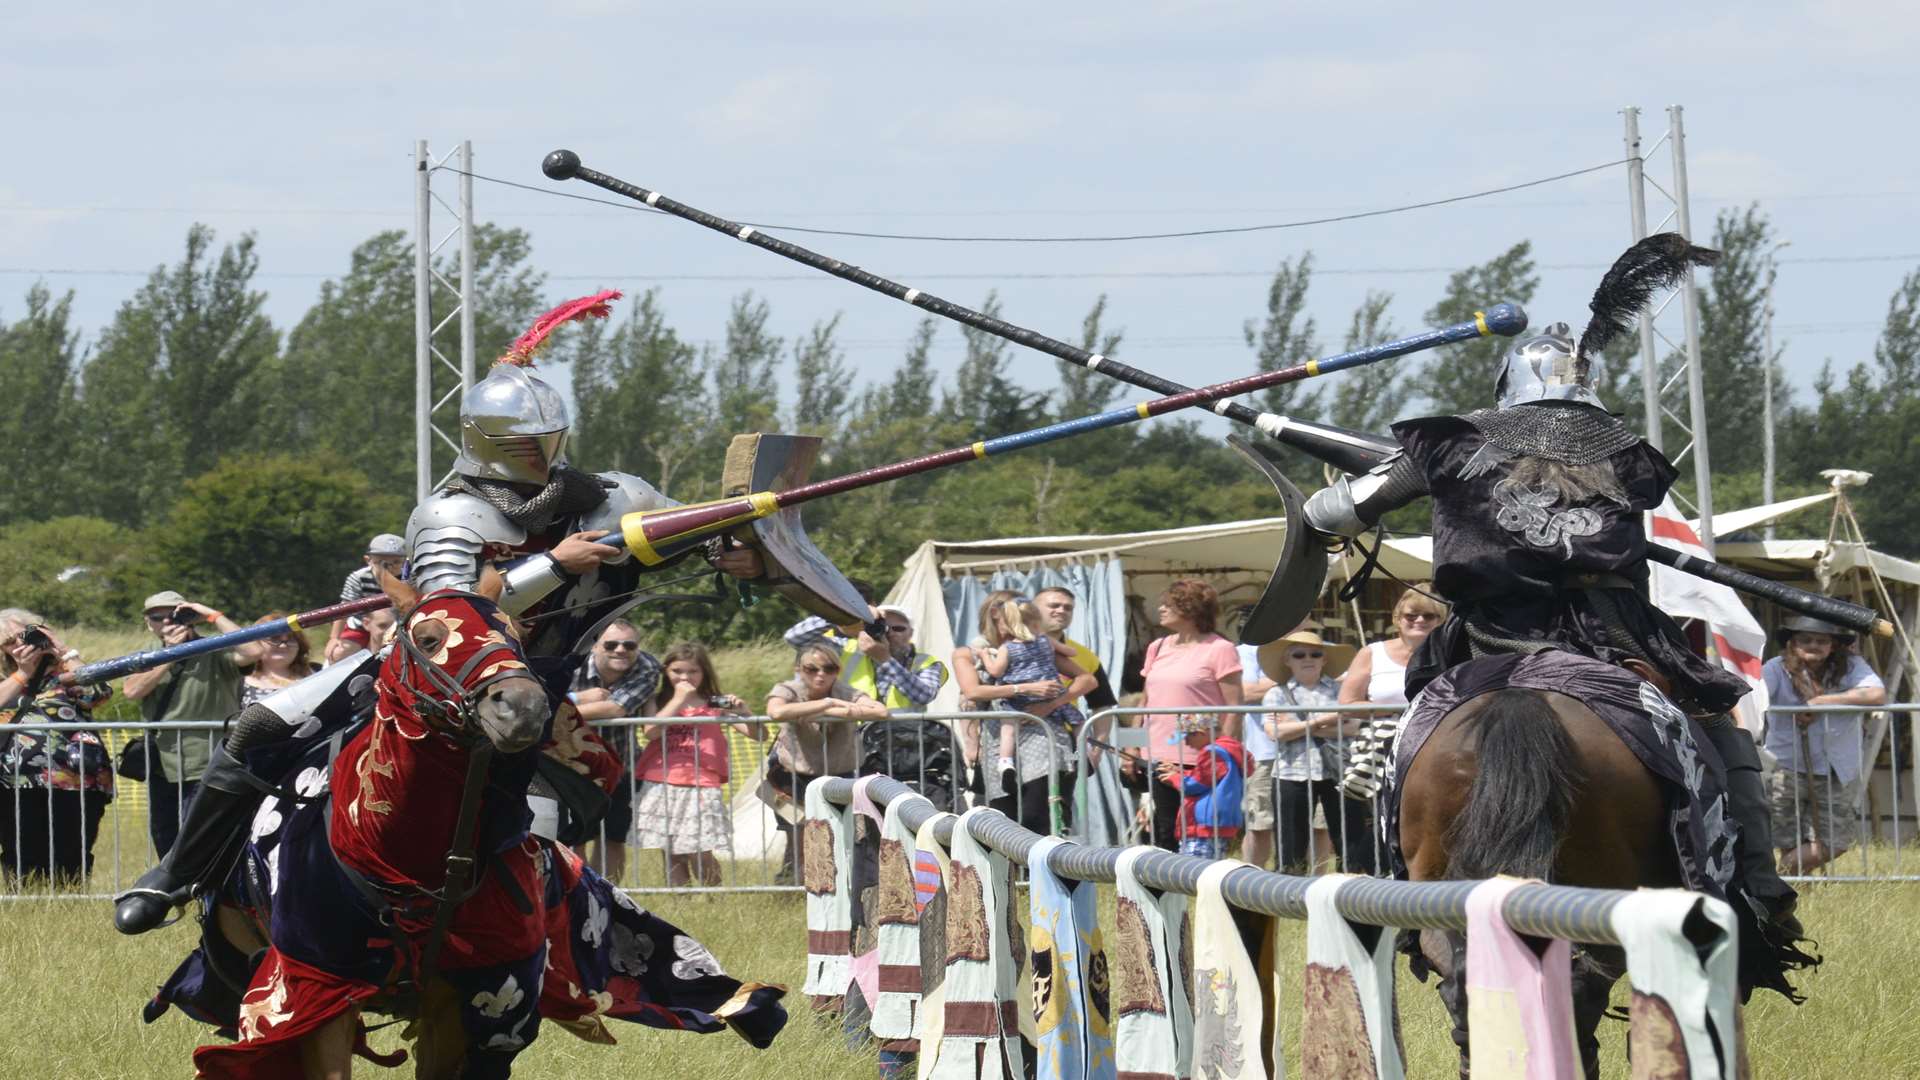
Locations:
(205, 687)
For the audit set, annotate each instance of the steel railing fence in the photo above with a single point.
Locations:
(105, 873)
(744, 786)
(1583, 915)
(1822, 810)
(1216, 719)
(126, 858)
(1879, 814)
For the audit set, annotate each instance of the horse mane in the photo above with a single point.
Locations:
(1521, 801)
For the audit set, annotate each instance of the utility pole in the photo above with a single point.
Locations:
(1659, 390)
(436, 413)
(1766, 415)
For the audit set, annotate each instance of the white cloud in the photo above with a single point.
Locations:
(781, 105)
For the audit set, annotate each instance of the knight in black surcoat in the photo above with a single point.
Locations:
(1538, 536)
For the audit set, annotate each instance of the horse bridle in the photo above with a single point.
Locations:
(454, 714)
(456, 717)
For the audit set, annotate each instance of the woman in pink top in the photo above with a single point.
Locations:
(1190, 666)
(682, 808)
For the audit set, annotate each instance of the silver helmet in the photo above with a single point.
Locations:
(1546, 367)
(513, 427)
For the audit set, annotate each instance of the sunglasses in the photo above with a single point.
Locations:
(812, 669)
(281, 639)
(1306, 656)
(1418, 616)
(892, 629)
(620, 646)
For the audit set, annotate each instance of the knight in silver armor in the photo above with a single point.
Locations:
(1539, 541)
(513, 494)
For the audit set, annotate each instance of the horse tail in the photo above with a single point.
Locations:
(1521, 801)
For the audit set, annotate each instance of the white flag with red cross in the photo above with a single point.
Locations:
(1735, 633)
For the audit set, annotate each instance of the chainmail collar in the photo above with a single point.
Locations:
(569, 491)
(1569, 433)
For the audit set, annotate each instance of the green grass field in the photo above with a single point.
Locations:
(75, 991)
(77, 988)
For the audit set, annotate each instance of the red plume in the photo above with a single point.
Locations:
(597, 306)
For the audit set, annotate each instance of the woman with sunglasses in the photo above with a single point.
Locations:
(54, 786)
(1379, 676)
(1379, 673)
(1309, 753)
(283, 661)
(819, 719)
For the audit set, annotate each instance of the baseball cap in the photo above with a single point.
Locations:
(386, 544)
(166, 598)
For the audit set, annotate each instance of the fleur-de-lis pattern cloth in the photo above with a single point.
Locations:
(1230, 1005)
(896, 917)
(599, 956)
(541, 937)
(826, 871)
(980, 1035)
(1072, 999)
(1682, 993)
(1350, 1029)
(1519, 1003)
(1153, 1021)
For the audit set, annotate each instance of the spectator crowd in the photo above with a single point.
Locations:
(1227, 750)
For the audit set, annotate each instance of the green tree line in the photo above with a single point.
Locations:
(193, 444)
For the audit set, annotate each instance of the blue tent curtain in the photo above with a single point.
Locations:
(1099, 615)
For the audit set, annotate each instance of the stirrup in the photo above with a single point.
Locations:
(174, 904)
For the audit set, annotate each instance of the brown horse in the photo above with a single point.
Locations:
(1533, 784)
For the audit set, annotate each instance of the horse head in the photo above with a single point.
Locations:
(457, 666)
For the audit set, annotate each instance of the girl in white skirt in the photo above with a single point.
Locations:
(684, 768)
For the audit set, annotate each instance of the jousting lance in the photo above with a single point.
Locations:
(107, 670)
(656, 535)
(1345, 449)
(1338, 445)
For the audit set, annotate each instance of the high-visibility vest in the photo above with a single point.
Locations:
(857, 671)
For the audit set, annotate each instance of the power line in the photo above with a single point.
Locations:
(1151, 211)
(1224, 231)
(972, 275)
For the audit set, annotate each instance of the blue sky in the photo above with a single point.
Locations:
(130, 122)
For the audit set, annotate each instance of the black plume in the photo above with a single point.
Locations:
(1658, 262)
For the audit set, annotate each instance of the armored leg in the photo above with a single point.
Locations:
(1747, 804)
(216, 820)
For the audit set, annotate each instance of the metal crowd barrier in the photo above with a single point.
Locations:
(76, 866)
(743, 794)
(71, 866)
(1837, 827)
(1356, 815)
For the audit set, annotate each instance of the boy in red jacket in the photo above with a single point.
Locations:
(1210, 815)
